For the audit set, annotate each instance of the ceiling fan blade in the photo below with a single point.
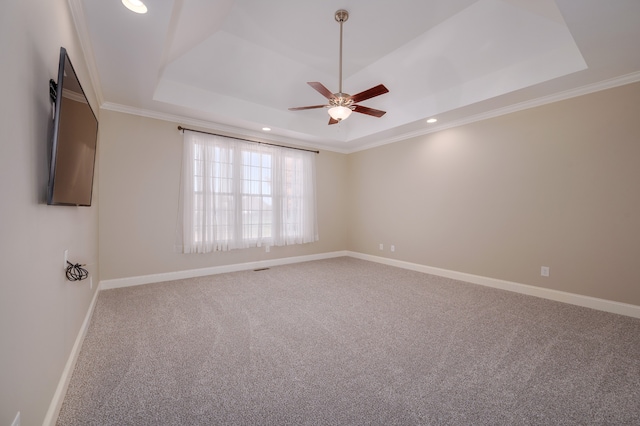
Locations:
(369, 111)
(321, 89)
(370, 93)
(342, 100)
(307, 107)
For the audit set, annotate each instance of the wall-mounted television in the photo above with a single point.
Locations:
(73, 142)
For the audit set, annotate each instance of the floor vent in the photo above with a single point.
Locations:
(260, 269)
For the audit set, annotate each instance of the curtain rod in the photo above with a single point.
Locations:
(247, 140)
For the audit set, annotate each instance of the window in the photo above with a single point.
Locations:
(237, 194)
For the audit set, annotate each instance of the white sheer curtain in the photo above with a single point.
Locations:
(237, 194)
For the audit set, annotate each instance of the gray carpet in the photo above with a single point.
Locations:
(348, 342)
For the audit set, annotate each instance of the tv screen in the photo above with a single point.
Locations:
(73, 142)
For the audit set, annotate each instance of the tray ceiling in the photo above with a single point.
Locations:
(239, 65)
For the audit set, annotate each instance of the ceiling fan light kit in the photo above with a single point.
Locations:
(339, 113)
(136, 6)
(341, 105)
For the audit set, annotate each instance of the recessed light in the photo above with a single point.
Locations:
(266, 129)
(135, 6)
(432, 120)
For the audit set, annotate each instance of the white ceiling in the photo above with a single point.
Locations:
(238, 65)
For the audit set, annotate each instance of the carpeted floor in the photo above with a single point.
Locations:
(349, 342)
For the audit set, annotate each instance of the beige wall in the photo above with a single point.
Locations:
(40, 311)
(556, 185)
(139, 177)
(550, 186)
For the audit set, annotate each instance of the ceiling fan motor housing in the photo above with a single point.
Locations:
(342, 15)
(342, 104)
(341, 99)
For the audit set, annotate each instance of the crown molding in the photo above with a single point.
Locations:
(77, 14)
(556, 97)
(210, 125)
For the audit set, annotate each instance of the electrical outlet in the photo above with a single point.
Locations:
(381, 246)
(544, 271)
(16, 421)
(267, 249)
(66, 258)
(393, 248)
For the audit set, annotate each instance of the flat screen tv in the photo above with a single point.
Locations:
(73, 141)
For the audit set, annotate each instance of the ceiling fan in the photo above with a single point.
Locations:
(342, 104)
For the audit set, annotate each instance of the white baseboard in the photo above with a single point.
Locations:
(545, 293)
(559, 296)
(58, 397)
(192, 273)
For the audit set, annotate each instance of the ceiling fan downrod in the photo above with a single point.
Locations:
(341, 16)
(342, 104)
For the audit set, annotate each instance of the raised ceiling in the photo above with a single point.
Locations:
(237, 66)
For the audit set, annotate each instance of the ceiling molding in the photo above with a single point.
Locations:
(467, 61)
(78, 16)
(556, 97)
(218, 127)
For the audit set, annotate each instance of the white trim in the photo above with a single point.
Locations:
(545, 293)
(532, 103)
(77, 14)
(192, 273)
(58, 397)
(218, 127)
